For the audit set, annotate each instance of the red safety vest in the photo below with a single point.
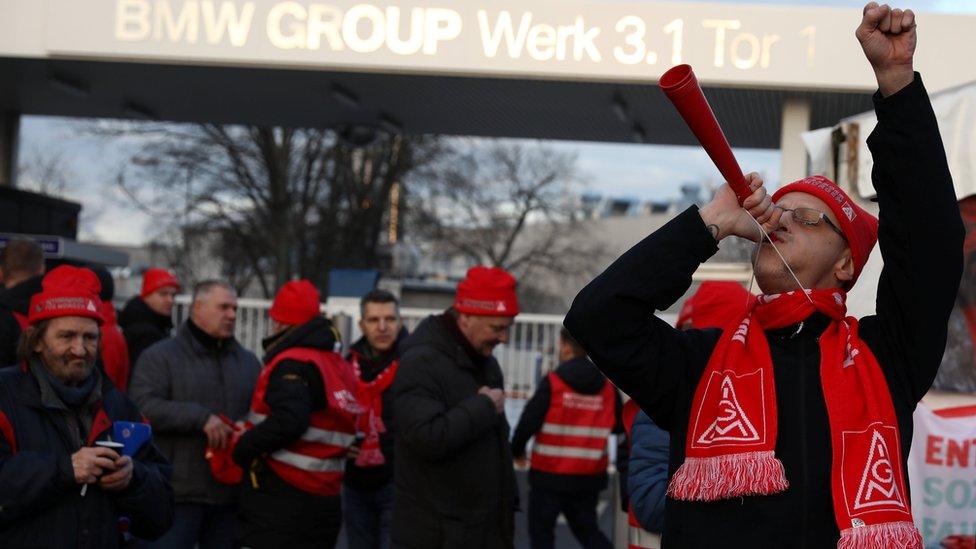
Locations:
(573, 438)
(315, 462)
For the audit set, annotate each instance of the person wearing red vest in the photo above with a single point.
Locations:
(300, 427)
(22, 264)
(367, 487)
(60, 487)
(114, 352)
(572, 413)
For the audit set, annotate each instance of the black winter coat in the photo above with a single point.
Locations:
(142, 327)
(454, 481)
(40, 502)
(583, 377)
(274, 513)
(14, 299)
(921, 237)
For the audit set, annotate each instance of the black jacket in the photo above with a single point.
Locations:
(40, 502)
(274, 513)
(142, 327)
(14, 299)
(921, 237)
(454, 481)
(374, 478)
(583, 377)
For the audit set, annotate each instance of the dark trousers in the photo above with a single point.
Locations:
(199, 525)
(579, 508)
(273, 514)
(368, 516)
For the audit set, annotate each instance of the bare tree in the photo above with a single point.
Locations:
(273, 203)
(45, 171)
(507, 204)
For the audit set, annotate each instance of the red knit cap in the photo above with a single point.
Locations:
(487, 291)
(155, 278)
(714, 305)
(67, 291)
(860, 228)
(297, 302)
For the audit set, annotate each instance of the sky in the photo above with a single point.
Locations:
(620, 170)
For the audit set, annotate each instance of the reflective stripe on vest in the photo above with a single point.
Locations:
(638, 538)
(306, 463)
(312, 434)
(576, 430)
(573, 437)
(568, 451)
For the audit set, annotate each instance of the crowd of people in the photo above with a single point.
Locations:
(790, 421)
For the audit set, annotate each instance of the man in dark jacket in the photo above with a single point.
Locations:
(148, 317)
(59, 488)
(302, 423)
(367, 487)
(454, 482)
(834, 464)
(571, 422)
(22, 263)
(183, 384)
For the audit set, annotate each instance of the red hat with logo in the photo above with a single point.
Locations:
(67, 291)
(487, 291)
(860, 228)
(156, 278)
(297, 302)
(715, 304)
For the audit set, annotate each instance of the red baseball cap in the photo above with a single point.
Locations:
(860, 228)
(487, 291)
(156, 278)
(297, 302)
(67, 291)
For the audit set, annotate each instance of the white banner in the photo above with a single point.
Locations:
(942, 473)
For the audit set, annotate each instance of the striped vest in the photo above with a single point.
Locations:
(316, 461)
(573, 438)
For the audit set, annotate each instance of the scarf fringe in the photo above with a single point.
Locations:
(728, 476)
(888, 535)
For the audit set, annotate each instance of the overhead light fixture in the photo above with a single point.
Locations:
(344, 96)
(638, 134)
(390, 125)
(69, 86)
(619, 107)
(135, 110)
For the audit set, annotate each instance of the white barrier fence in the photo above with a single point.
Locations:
(531, 352)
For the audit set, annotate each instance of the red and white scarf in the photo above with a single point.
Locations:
(730, 448)
(370, 395)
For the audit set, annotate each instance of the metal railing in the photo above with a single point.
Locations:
(532, 350)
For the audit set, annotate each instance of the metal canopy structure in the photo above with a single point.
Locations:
(567, 69)
(416, 104)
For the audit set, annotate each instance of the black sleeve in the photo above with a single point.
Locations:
(9, 336)
(532, 418)
(921, 237)
(289, 396)
(424, 421)
(31, 482)
(613, 317)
